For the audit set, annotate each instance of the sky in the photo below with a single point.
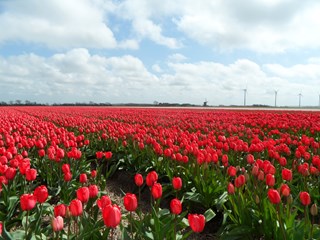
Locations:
(175, 51)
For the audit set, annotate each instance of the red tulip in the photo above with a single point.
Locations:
(270, 180)
(230, 188)
(103, 202)
(1, 227)
(151, 178)
(93, 173)
(130, 202)
(27, 202)
(41, 193)
(31, 174)
(83, 178)
(305, 198)
(75, 207)
(67, 176)
(108, 155)
(41, 153)
(274, 196)
(286, 174)
(240, 181)
(250, 159)
(83, 194)
(111, 216)
(175, 206)
(232, 171)
(24, 166)
(285, 190)
(99, 155)
(10, 173)
(93, 191)
(60, 210)
(65, 168)
(57, 223)
(196, 222)
(156, 190)
(138, 179)
(177, 183)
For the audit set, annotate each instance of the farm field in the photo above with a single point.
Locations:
(233, 173)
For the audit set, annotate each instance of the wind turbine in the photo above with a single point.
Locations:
(300, 95)
(275, 97)
(244, 96)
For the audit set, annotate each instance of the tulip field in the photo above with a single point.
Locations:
(233, 174)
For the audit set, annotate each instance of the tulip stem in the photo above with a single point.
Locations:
(175, 227)
(280, 222)
(131, 225)
(26, 230)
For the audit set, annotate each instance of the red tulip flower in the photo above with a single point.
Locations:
(305, 198)
(27, 202)
(177, 183)
(156, 190)
(83, 194)
(60, 210)
(99, 155)
(41, 193)
(76, 207)
(57, 223)
(65, 168)
(111, 216)
(270, 180)
(285, 190)
(93, 173)
(175, 206)
(138, 179)
(130, 202)
(67, 176)
(108, 155)
(286, 174)
(232, 171)
(10, 173)
(103, 202)
(31, 174)
(93, 191)
(196, 222)
(240, 181)
(151, 178)
(230, 188)
(274, 196)
(83, 178)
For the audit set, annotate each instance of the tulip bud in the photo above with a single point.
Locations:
(257, 199)
(314, 210)
(289, 199)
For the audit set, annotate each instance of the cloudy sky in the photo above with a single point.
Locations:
(181, 51)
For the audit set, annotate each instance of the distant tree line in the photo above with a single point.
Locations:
(30, 103)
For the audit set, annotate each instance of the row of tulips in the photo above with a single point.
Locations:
(256, 169)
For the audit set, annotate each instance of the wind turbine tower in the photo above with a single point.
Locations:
(244, 96)
(300, 95)
(275, 97)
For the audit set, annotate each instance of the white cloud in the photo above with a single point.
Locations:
(142, 13)
(56, 24)
(79, 76)
(261, 26)
(177, 57)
